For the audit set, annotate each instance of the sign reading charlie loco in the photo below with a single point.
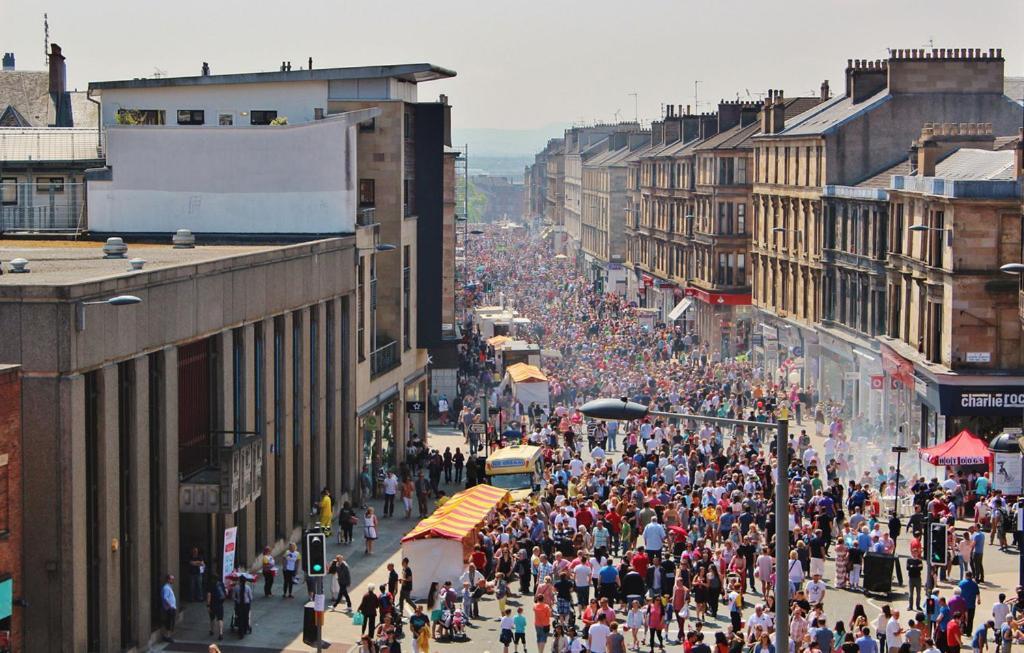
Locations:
(981, 400)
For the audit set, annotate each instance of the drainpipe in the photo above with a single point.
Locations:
(99, 120)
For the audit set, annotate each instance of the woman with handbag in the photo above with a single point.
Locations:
(346, 520)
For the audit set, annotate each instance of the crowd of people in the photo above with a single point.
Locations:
(659, 531)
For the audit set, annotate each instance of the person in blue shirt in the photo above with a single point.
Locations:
(608, 581)
(978, 538)
(971, 593)
(981, 486)
(866, 643)
(863, 539)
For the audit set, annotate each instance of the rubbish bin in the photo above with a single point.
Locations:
(877, 575)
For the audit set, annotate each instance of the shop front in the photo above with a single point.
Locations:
(839, 378)
(380, 450)
(723, 320)
(900, 404)
(615, 281)
(984, 405)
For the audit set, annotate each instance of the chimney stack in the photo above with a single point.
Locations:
(778, 111)
(766, 113)
(824, 91)
(205, 70)
(8, 61)
(927, 152)
(58, 70)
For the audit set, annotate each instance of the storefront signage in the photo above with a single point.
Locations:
(877, 382)
(1007, 472)
(979, 357)
(414, 406)
(229, 552)
(757, 339)
(770, 333)
(981, 400)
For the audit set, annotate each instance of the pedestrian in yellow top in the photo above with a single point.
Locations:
(326, 511)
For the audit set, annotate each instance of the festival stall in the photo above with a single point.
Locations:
(963, 450)
(529, 385)
(439, 546)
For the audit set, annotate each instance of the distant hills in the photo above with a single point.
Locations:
(491, 142)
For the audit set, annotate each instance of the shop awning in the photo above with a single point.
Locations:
(680, 308)
(461, 515)
(523, 372)
(964, 449)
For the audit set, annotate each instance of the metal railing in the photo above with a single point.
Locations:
(384, 358)
(366, 217)
(30, 207)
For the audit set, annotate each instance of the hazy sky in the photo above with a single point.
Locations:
(520, 63)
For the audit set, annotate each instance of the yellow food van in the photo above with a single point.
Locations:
(518, 468)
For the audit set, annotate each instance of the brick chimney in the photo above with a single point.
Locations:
(927, 153)
(824, 91)
(939, 139)
(8, 61)
(657, 131)
(766, 113)
(865, 78)
(673, 127)
(708, 125)
(946, 70)
(58, 70)
(778, 113)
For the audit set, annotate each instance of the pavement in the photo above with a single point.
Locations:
(277, 623)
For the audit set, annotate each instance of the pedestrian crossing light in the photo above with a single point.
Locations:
(316, 554)
(937, 550)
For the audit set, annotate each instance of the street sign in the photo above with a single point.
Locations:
(414, 406)
(480, 428)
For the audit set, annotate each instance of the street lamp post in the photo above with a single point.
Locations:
(899, 450)
(623, 409)
(119, 300)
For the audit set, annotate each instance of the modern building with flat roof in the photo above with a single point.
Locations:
(156, 425)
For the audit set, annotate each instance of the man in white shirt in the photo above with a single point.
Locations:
(1000, 610)
(654, 537)
(576, 466)
(759, 618)
(582, 575)
(894, 633)
(597, 636)
(390, 489)
(816, 590)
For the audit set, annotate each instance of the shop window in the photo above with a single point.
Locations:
(191, 116)
(141, 117)
(9, 191)
(49, 185)
(261, 117)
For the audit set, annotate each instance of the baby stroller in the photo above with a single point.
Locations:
(453, 626)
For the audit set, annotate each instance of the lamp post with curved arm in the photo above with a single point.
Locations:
(623, 409)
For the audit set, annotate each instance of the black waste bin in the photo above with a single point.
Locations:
(877, 574)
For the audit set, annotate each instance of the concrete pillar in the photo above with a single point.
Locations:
(303, 367)
(73, 577)
(248, 514)
(267, 427)
(225, 403)
(108, 475)
(284, 456)
(140, 514)
(168, 424)
(319, 448)
(335, 475)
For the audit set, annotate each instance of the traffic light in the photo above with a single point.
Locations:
(938, 553)
(316, 554)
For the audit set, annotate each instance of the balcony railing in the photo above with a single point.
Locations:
(384, 358)
(366, 216)
(38, 208)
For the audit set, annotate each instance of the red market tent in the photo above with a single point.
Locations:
(964, 449)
